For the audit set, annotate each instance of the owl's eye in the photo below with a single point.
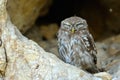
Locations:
(66, 26)
(80, 26)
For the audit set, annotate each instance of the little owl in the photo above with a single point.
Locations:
(76, 44)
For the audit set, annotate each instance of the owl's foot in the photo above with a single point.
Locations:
(95, 70)
(92, 70)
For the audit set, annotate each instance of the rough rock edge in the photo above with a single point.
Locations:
(25, 60)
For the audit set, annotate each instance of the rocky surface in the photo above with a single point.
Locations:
(45, 36)
(23, 13)
(112, 62)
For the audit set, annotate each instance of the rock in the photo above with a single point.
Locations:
(3, 59)
(104, 76)
(28, 61)
(109, 56)
(113, 65)
(23, 13)
(114, 45)
(101, 54)
(49, 31)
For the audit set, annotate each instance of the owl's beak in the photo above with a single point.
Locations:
(73, 30)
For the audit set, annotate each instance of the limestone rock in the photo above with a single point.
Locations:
(49, 31)
(113, 60)
(104, 76)
(23, 13)
(109, 56)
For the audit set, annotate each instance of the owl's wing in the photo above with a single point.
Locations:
(89, 44)
(62, 50)
(62, 46)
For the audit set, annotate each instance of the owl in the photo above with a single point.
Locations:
(76, 45)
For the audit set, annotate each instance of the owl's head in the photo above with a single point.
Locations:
(74, 24)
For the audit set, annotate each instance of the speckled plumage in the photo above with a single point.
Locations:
(76, 44)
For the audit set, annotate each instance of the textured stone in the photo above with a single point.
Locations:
(109, 56)
(104, 76)
(3, 59)
(23, 13)
(113, 61)
(49, 31)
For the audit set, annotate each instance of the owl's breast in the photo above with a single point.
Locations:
(75, 40)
